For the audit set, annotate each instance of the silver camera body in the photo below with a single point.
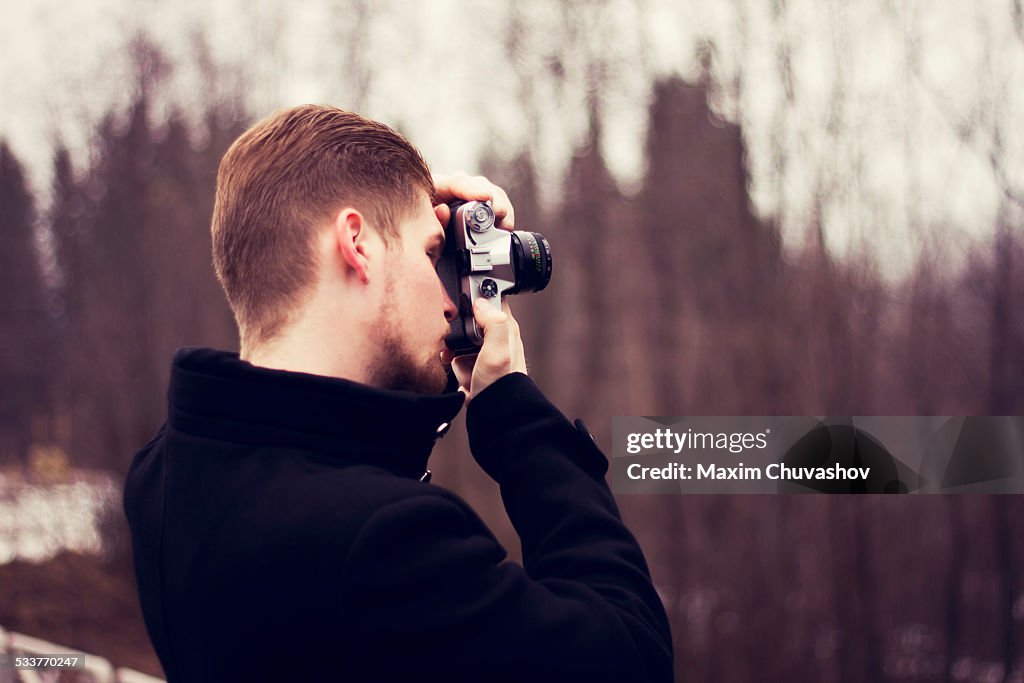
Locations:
(482, 261)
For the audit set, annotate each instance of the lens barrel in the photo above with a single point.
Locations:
(531, 262)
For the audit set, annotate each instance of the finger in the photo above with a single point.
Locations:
(447, 356)
(443, 213)
(507, 310)
(461, 186)
(515, 339)
(503, 212)
(519, 358)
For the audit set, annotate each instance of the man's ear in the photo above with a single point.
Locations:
(350, 235)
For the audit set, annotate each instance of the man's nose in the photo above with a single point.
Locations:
(451, 311)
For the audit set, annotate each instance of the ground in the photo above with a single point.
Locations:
(87, 603)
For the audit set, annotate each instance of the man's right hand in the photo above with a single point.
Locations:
(501, 354)
(462, 187)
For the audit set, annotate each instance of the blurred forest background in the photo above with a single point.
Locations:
(779, 247)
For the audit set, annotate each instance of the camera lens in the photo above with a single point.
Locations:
(531, 261)
(481, 218)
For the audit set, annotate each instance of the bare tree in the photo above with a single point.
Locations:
(25, 330)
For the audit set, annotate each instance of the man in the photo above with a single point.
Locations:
(283, 523)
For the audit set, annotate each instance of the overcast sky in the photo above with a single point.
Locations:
(890, 115)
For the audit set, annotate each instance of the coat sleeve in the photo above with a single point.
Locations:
(427, 579)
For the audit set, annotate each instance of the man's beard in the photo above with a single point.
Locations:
(398, 367)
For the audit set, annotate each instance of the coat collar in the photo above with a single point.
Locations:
(215, 394)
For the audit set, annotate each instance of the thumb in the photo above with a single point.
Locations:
(495, 353)
(487, 315)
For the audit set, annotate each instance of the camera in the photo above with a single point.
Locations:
(480, 260)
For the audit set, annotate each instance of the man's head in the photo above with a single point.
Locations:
(324, 234)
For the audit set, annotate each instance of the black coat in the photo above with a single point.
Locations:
(281, 532)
